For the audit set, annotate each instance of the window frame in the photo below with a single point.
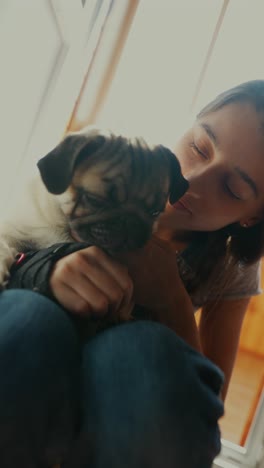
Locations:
(67, 77)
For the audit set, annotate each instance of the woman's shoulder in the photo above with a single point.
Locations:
(230, 283)
(245, 282)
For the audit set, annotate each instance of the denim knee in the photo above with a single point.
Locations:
(32, 325)
(27, 311)
(40, 374)
(149, 399)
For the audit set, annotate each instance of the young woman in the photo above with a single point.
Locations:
(146, 398)
(218, 225)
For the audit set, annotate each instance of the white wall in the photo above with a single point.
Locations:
(166, 52)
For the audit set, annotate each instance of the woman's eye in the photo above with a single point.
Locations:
(197, 150)
(231, 193)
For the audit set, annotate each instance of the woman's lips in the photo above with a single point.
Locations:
(181, 205)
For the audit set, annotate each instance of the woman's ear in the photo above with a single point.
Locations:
(249, 222)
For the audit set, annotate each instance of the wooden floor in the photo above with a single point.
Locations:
(243, 395)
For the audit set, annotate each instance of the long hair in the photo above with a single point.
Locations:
(214, 256)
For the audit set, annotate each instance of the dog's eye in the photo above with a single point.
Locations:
(155, 214)
(88, 199)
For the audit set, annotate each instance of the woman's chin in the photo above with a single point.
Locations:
(171, 219)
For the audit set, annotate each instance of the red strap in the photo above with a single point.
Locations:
(19, 258)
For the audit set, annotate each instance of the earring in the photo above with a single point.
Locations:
(244, 225)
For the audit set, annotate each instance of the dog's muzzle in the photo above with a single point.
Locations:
(127, 232)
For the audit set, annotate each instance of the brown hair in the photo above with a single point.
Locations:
(209, 252)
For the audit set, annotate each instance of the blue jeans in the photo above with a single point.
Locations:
(134, 396)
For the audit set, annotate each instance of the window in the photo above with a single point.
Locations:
(45, 48)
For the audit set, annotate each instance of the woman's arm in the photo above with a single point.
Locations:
(83, 279)
(88, 282)
(220, 327)
(159, 288)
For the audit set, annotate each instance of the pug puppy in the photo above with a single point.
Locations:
(96, 187)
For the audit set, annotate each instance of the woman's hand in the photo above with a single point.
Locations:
(90, 283)
(155, 275)
(159, 288)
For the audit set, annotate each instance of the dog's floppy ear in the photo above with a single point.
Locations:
(178, 184)
(56, 168)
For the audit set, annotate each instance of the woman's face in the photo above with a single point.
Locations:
(222, 157)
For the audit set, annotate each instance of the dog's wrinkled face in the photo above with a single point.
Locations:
(111, 188)
(109, 204)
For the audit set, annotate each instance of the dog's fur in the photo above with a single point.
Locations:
(95, 187)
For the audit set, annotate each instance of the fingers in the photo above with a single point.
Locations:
(112, 268)
(107, 276)
(90, 283)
